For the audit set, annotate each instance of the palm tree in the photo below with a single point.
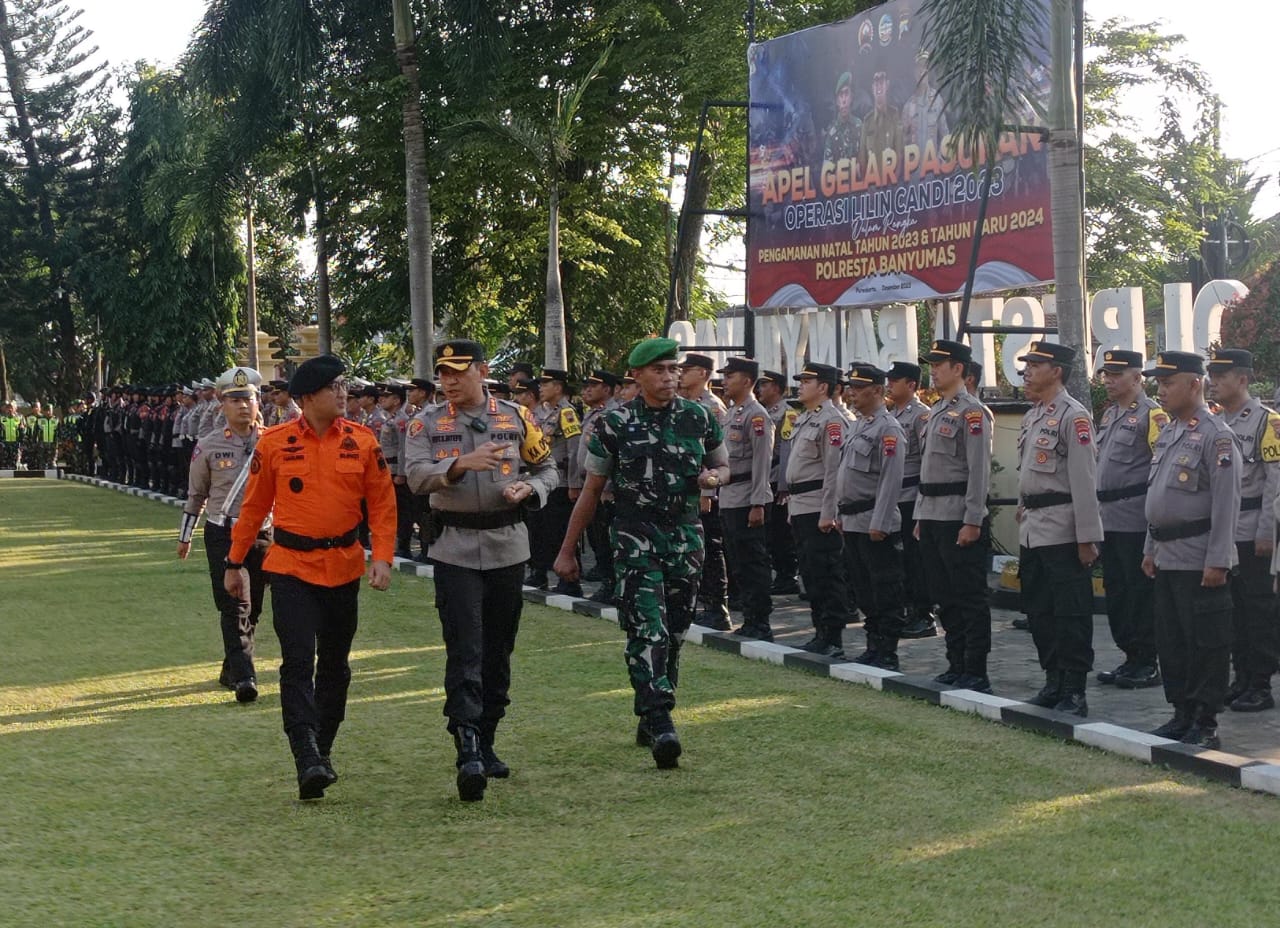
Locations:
(978, 51)
(550, 146)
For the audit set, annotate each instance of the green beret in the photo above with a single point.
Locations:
(845, 80)
(651, 350)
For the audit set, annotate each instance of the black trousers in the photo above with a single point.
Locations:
(713, 585)
(958, 584)
(239, 621)
(480, 616)
(598, 538)
(746, 547)
(404, 516)
(1130, 596)
(781, 543)
(819, 555)
(1057, 596)
(1193, 639)
(550, 526)
(1254, 635)
(875, 571)
(915, 586)
(315, 625)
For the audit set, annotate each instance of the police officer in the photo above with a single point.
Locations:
(1126, 439)
(482, 459)
(869, 484)
(559, 422)
(597, 395)
(903, 381)
(1193, 506)
(10, 436)
(713, 586)
(520, 371)
(1060, 526)
(660, 450)
(219, 470)
(745, 498)
(771, 389)
(1254, 643)
(951, 517)
(392, 438)
(311, 476)
(421, 394)
(817, 442)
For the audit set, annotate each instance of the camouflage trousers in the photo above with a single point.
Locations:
(657, 587)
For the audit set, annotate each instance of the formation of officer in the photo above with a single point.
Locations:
(661, 451)
(218, 473)
(1192, 511)
(1059, 526)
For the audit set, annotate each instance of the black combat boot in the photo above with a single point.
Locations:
(1177, 726)
(536, 579)
(919, 625)
(324, 744)
(1051, 693)
(887, 652)
(313, 776)
(949, 676)
(666, 744)
(1108, 677)
(1138, 677)
(1254, 699)
(247, 690)
(643, 738)
(1235, 690)
(715, 619)
(1204, 730)
(470, 764)
(494, 767)
(1071, 699)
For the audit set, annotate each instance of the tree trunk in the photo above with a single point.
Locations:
(1068, 210)
(557, 352)
(689, 240)
(324, 311)
(251, 304)
(417, 193)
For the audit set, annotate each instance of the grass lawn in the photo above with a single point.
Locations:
(135, 792)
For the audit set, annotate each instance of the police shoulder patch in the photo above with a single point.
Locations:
(415, 427)
(1222, 447)
(835, 434)
(974, 419)
(757, 425)
(569, 424)
(1084, 430)
(890, 445)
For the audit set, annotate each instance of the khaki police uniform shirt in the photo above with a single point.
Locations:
(1195, 474)
(913, 417)
(440, 434)
(778, 414)
(589, 420)
(817, 440)
(563, 430)
(714, 405)
(957, 449)
(1126, 438)
(873, 462)
(1258, 430)
(180, 416)
(748, 436)
(1056, 455)
(390, 439)
(216, 462)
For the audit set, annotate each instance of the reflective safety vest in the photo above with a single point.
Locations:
(9, 426)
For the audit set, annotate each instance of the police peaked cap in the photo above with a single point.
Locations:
(946, 350)
(1116, 360)
(316, 374)
(1225, 359)
(748, 366)
(1176, 362)
(823, 372)
(1049, 353)
(458, 354)
(422, 384)
(774, 377)
(608, 378)
(697, 360)
(861, 375)
(903, 370)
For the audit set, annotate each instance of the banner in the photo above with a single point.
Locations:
(859, 196)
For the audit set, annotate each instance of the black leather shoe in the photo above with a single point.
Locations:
(1108, 677)
(754, 632)
(1138, 677)
(247, 690)
(313, 779)
(568, 589)
(1073, 704)
(1176, 728)
(969, 681)
(919, 628)
(1021, 623)
(1050, 694)
(887, 661)
(715, 621)
(536, 579)
(868, 656)
(666, 744)
(470, 763)
(1234, 691)
(1205, 736)
(327, 763)
(494, 766)
(594, 575)
(1254, 700)
(604, 595)
(784, 588)
(948, 677)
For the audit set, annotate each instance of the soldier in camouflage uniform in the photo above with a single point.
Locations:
(660, 451)
(845, 134)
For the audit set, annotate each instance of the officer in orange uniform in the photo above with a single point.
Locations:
(315, 471)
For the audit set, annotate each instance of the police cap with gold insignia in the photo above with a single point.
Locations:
(653, 350)
(946, 350)
(1116, 360)
(315, 374)
(824, 372)
(774, 377)
(627, 380)
(525, 385)
(1176, 362)
(1226, 359)
(903, 370)
(748, 366)
(1049, 353)
(422, 384)
(459, 354)
(861, 375)
(698, 360)
(608, 378)
(551, 373)
(239, 381)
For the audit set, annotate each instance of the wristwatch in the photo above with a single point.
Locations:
(231, 565)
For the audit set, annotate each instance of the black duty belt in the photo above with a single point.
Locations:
(287, 539)
(1251, 504)
(1185, 530)
(805, 486)
(478, 520)
(912, 481)
(737, 478)
(1045, 500)
(959, 488)
(394, 460)
(1119, 493)
(852, 509)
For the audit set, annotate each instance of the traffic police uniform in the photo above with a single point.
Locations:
(1126, 439)
(748, 440)
(812, 470)
(1254, 634)
(869, 483)
(955, 475)
(1057, 511)
(913, 416)
(1193, 507)
(782, 545)
(219, 471)
(479, 552)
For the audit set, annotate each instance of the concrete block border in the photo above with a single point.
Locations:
(1232, 769)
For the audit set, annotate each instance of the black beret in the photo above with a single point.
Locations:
(316, 374)
(522, 367)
